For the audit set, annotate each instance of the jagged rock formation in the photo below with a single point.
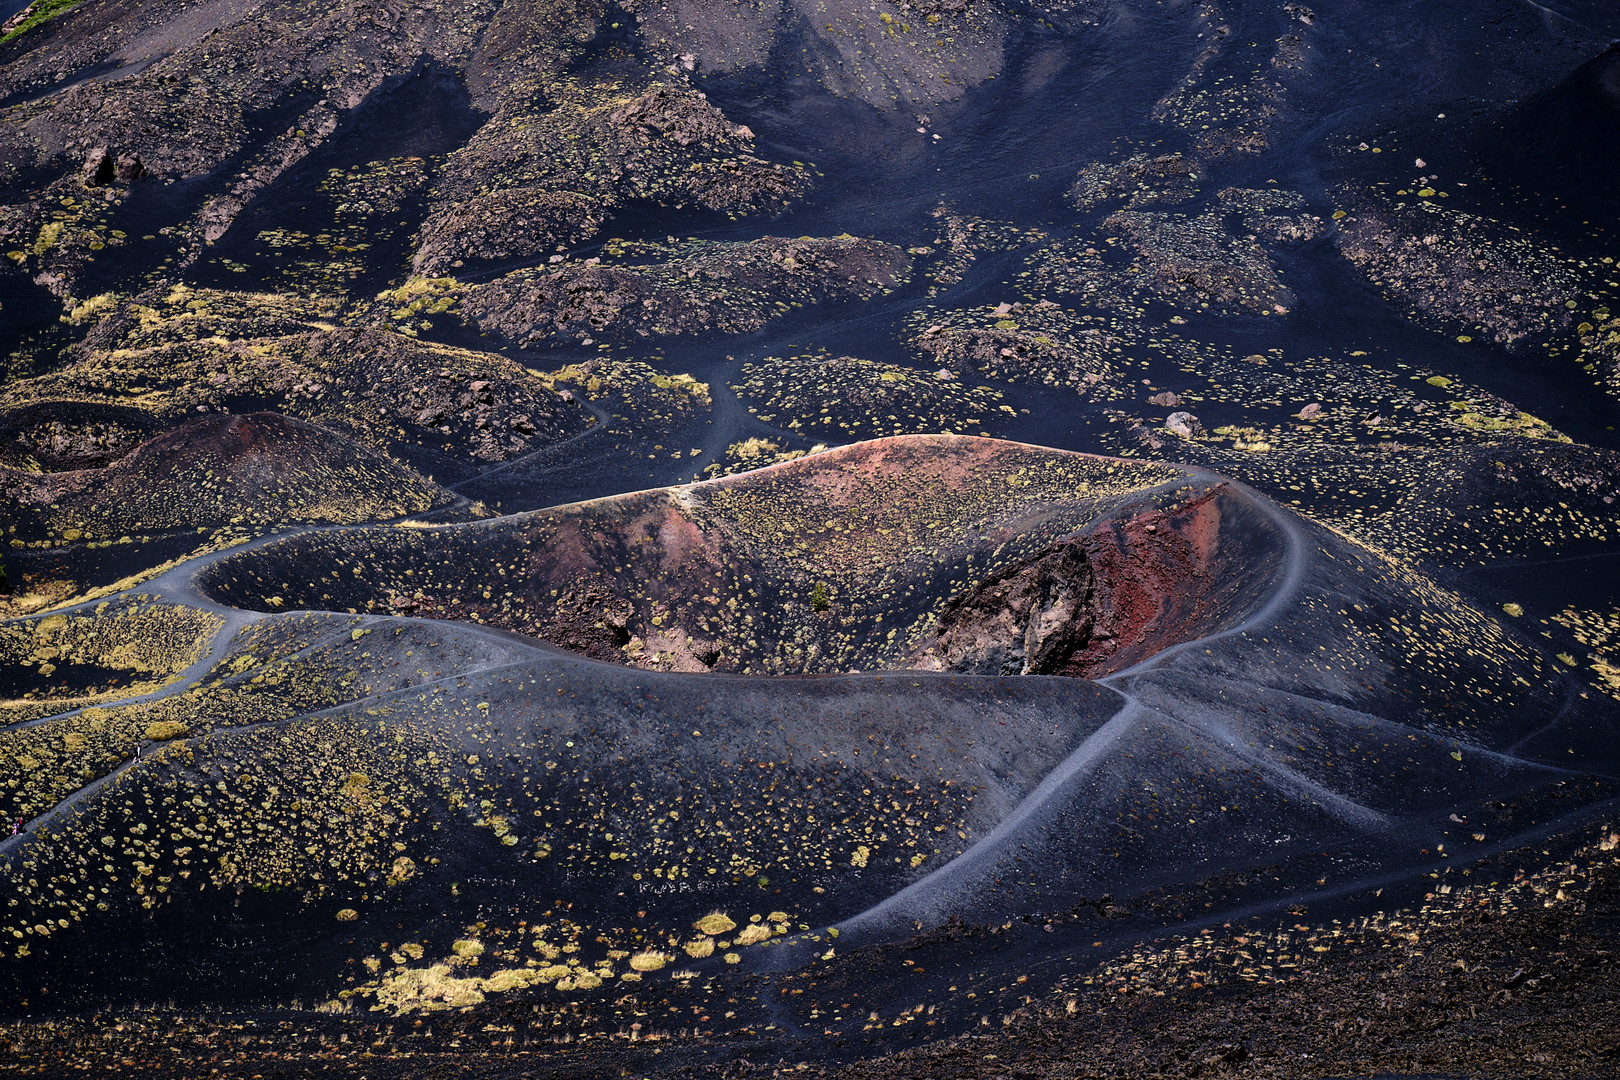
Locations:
(1027, 619)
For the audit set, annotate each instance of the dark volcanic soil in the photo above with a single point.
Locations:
(1135, 562)
(919, 537)
(1463, 985)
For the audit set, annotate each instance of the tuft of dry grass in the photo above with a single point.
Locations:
(164, 730)
(650, 960)
(715, 923)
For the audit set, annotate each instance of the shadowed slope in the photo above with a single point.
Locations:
(220, 470)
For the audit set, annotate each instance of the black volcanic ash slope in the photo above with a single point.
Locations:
(206, 483)
(179, 351)
(217, 470)
(548, 249)
(456, 807)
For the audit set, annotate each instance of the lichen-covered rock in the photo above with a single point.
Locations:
(725, 287)
(1184, 425)
(1460, 273)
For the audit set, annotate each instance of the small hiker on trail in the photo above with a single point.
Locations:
(16, 827)
(137, 751)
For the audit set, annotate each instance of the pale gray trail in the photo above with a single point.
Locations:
(958, 882)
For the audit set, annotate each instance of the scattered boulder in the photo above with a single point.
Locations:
(98, 167)
(1184, 424)
(1167, 399)
(129, 168)
(102, 168)
(1311, 411)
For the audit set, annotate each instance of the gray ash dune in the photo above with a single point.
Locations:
(579, 768)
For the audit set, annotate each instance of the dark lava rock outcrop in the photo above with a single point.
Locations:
(1027, 619)
(1037, 343)
(848, 396)
(1139, 180)
(1091, 604)
(1197, 260)
(728, 288)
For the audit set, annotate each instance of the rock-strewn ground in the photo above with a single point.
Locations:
(720, 288)
(928, 756)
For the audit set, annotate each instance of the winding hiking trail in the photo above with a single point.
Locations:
(967, 874)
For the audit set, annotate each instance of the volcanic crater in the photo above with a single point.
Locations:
(929, 552)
